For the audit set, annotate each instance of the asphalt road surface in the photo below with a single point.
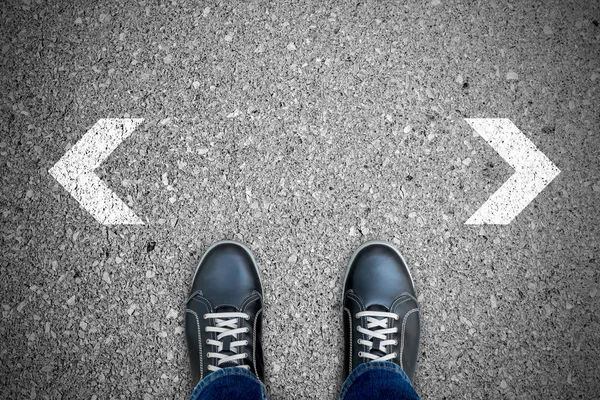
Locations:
(302, 129)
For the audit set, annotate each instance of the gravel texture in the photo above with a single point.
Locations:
(302, 130)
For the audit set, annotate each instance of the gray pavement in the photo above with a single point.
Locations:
(302, 129)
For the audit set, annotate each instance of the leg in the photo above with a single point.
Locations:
(381, 325)
(229, 383)
(378, 380)
(223, 325)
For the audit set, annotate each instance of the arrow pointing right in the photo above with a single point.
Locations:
(533, 171)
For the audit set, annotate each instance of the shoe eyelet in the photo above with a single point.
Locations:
(359, 341)
(245, 355)
(395, 343)
(204, 316)
(247, 318)
(247, 329)
(246, 343)
(360, 353)
(207, 341)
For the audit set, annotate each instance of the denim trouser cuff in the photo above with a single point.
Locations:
(378, 380)
(230, 383)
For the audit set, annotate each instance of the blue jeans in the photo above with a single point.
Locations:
(377, 380)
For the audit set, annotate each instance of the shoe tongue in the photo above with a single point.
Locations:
(228, 340)
(377, 307)
(225, 308)
(377, 342)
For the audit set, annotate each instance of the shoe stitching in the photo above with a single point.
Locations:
(200, 298)
(194, 294)
(397, 304)
(250, 298)
(248, 301)
(199, 341)
(254, 345)
(227, 305)
(402, 336)
(358, 298)
(404, 297)
(254, 297)
(203, 300)
(361, 305)
(350, 340)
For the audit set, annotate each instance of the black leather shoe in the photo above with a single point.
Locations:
(381, 313)
(223, 315)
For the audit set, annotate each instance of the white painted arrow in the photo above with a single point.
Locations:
(533, 171)
(75, 171)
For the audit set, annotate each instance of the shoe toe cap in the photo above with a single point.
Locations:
(227, 274)
(378, 274)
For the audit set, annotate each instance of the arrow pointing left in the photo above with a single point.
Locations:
(75, 171)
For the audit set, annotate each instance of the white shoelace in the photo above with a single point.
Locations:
(373, 322)
(227, 325)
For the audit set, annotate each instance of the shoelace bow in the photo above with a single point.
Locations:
(377, 338)
(226, 324)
